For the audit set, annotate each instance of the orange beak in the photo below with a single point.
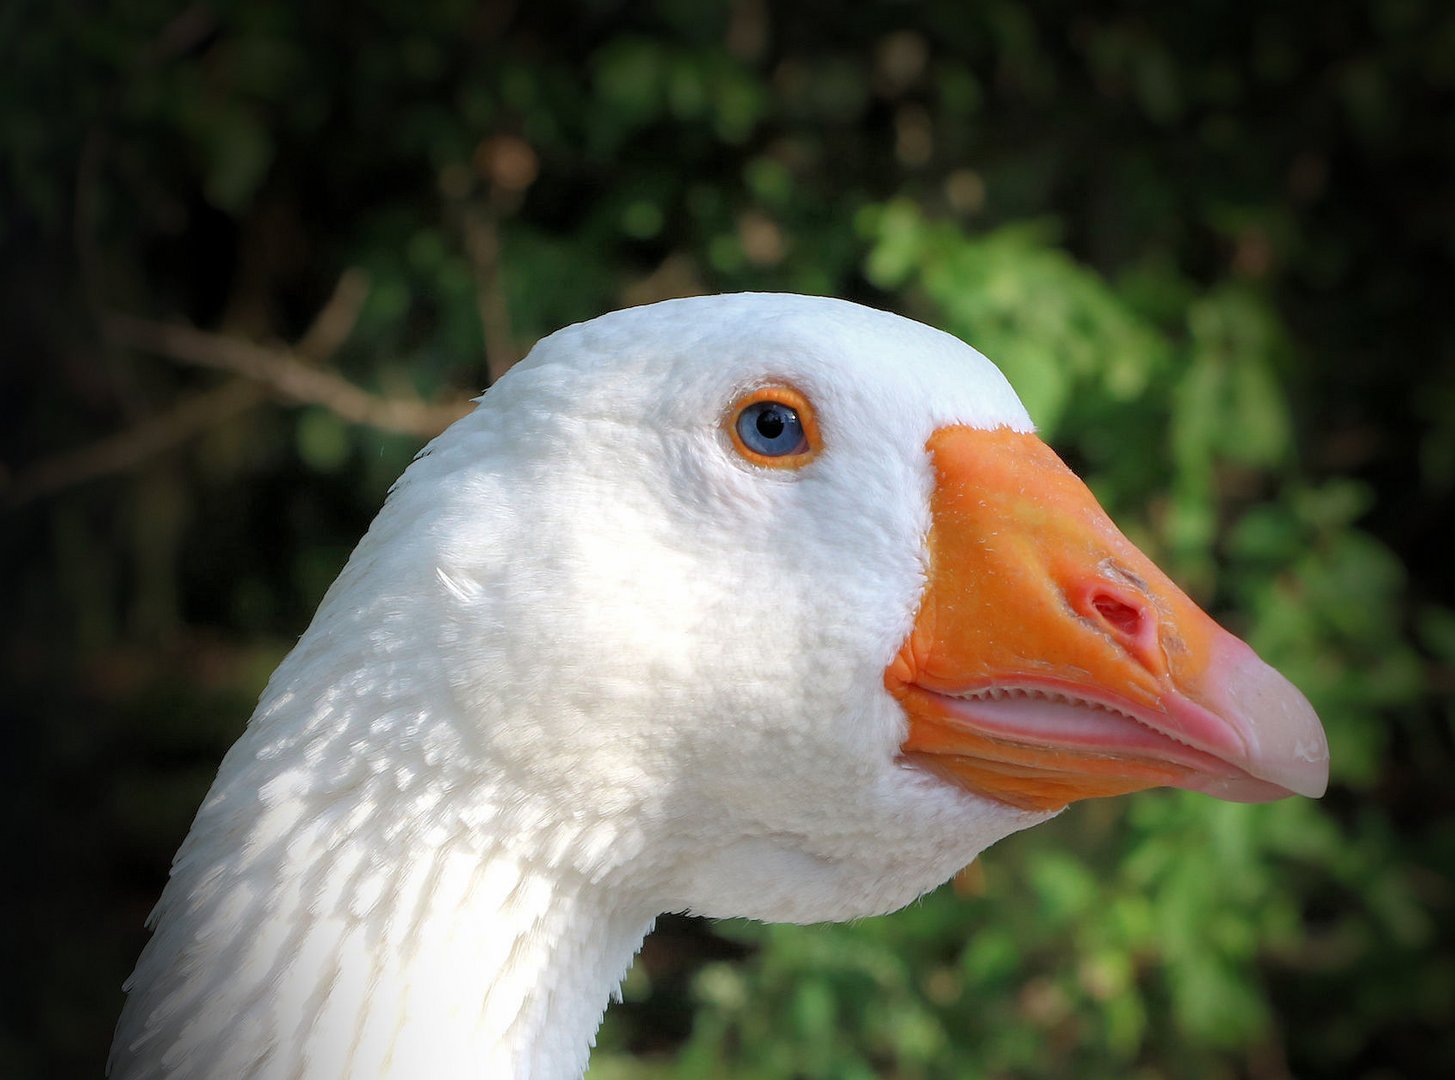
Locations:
(1051, 661)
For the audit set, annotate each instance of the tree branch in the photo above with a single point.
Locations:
(292, 374)
(284, 374)
(127, 449)
(482, 241)
(335, 321)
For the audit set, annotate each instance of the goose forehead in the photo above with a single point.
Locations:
(693, 353)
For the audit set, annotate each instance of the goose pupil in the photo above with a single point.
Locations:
(771, 422)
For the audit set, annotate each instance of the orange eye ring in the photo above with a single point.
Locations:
(787, 398)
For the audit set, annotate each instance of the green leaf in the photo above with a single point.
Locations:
(323, 440)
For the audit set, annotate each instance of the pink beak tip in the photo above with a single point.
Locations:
(1286, 745)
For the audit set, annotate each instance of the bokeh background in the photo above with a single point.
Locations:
(253, 254)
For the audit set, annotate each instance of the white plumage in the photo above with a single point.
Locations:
(588, 665)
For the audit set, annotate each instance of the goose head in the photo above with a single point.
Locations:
(764, 606)
(780, 601)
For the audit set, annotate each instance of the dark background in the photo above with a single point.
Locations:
(253, 254)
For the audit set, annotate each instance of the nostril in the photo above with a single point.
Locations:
(1128, 617)
(1123, 616)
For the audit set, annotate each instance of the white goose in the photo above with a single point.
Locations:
(756, 605)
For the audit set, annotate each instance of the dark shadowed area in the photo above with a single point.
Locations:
(254, 254)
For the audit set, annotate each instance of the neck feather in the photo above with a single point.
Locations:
(445, 962)
(370, 931)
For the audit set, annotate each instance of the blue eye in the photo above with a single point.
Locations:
(772, 429)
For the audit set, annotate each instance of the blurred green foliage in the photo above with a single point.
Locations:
(1211, 246)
